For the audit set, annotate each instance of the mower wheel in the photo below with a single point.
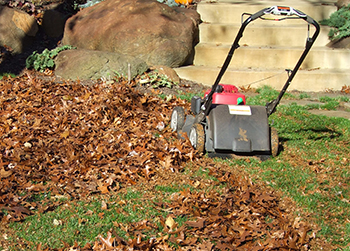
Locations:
(274, 142)
(197, 137)
(177, 119)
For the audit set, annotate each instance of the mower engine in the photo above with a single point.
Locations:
(227, 95)
(223, 95)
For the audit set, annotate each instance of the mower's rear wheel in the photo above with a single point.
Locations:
(274, 141)
(197, 137)
(177, 119)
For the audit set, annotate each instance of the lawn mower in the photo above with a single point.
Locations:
(221, 123)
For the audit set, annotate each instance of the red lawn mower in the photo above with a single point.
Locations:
(221, 123)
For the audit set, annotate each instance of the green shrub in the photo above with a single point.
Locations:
(45, 60)
(340, 21)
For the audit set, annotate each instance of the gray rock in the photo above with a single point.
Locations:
(88, 64)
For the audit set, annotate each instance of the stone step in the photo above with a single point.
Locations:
(264, 33)
(308, 81)
(267, 48)
(230, 11)
(271, 57)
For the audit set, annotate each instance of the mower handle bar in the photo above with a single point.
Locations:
(286, 13)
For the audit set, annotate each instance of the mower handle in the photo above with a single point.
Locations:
(286, 13)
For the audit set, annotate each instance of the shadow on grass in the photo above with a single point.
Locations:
(312, 134)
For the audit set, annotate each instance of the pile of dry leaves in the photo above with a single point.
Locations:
(66, 138)
(72, 140)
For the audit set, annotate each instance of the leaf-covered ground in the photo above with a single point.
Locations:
(74, 141)
(69, 138)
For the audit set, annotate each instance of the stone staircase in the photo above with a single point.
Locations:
(267, 49)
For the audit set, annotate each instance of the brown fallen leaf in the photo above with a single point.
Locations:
(4, 173)
(104, 205)
(65, 134)
(170, 223)
(103, 189)
(200, 223)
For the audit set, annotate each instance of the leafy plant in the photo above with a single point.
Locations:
(340, 21)
(45, 60)
(157, 80)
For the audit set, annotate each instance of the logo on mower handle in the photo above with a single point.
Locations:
(284, 11)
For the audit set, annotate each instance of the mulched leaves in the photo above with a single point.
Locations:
(64, 139)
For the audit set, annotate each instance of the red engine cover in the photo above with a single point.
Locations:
(229, 96)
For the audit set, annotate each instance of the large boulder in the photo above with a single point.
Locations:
(86, 64)
(152, 31)
(18, 29)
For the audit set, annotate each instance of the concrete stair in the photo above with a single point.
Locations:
(267, 49)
